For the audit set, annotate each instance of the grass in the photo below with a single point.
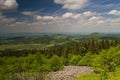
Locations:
(38, 46)
(23, 46)
(89, 77)
(111, 76)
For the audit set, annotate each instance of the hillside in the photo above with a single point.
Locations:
(41, 41)
(102, 55)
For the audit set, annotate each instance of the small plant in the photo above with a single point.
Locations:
(104, 75)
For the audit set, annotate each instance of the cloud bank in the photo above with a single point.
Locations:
(8, 4)
(72, 4)
(87, 21)
(75, 17)
(114, 12)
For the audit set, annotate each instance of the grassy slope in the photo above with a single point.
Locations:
(35, 42)
(111, 76)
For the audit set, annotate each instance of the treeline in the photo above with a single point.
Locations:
(80, 48)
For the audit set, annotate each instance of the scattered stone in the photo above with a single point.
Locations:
(70, 72)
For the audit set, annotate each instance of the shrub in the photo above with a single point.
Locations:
(56, 63)
(73, 59)
(35, 62)
(86, 60)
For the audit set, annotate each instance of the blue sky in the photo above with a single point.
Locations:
(59, 16)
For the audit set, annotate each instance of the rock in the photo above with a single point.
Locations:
(70, 72)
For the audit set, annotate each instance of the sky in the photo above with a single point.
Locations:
(59, 16)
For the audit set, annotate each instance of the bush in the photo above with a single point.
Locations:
(35, 62)
(86, 60)
(106, 59)
(117, 58)
(20, 65)
(45, 68)
(104, 75)
(73, 59)
(56, 63)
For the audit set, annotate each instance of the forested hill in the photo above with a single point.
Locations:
(103, 55)
(41, 62)
(79, 48)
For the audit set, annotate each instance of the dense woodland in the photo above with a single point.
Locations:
(80, 48)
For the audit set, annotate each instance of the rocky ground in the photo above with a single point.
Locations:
(70, 72)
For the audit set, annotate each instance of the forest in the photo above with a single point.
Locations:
(103, 55)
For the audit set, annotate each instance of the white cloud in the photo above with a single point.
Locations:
(47, 18)
(8, 4)
(76, 16)
(95, 23)
(100, 22)
(71, 15)
(5, 20)
(67, 15)
(97, 19)
(38, 17)
(72, 4)
(89, 13)
(27, 13)
(5, 23)
(68, 22)
(2, 3)
(114, 12)
(8, 20)
(94, 18)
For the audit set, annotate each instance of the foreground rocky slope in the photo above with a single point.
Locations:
(70, 73)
